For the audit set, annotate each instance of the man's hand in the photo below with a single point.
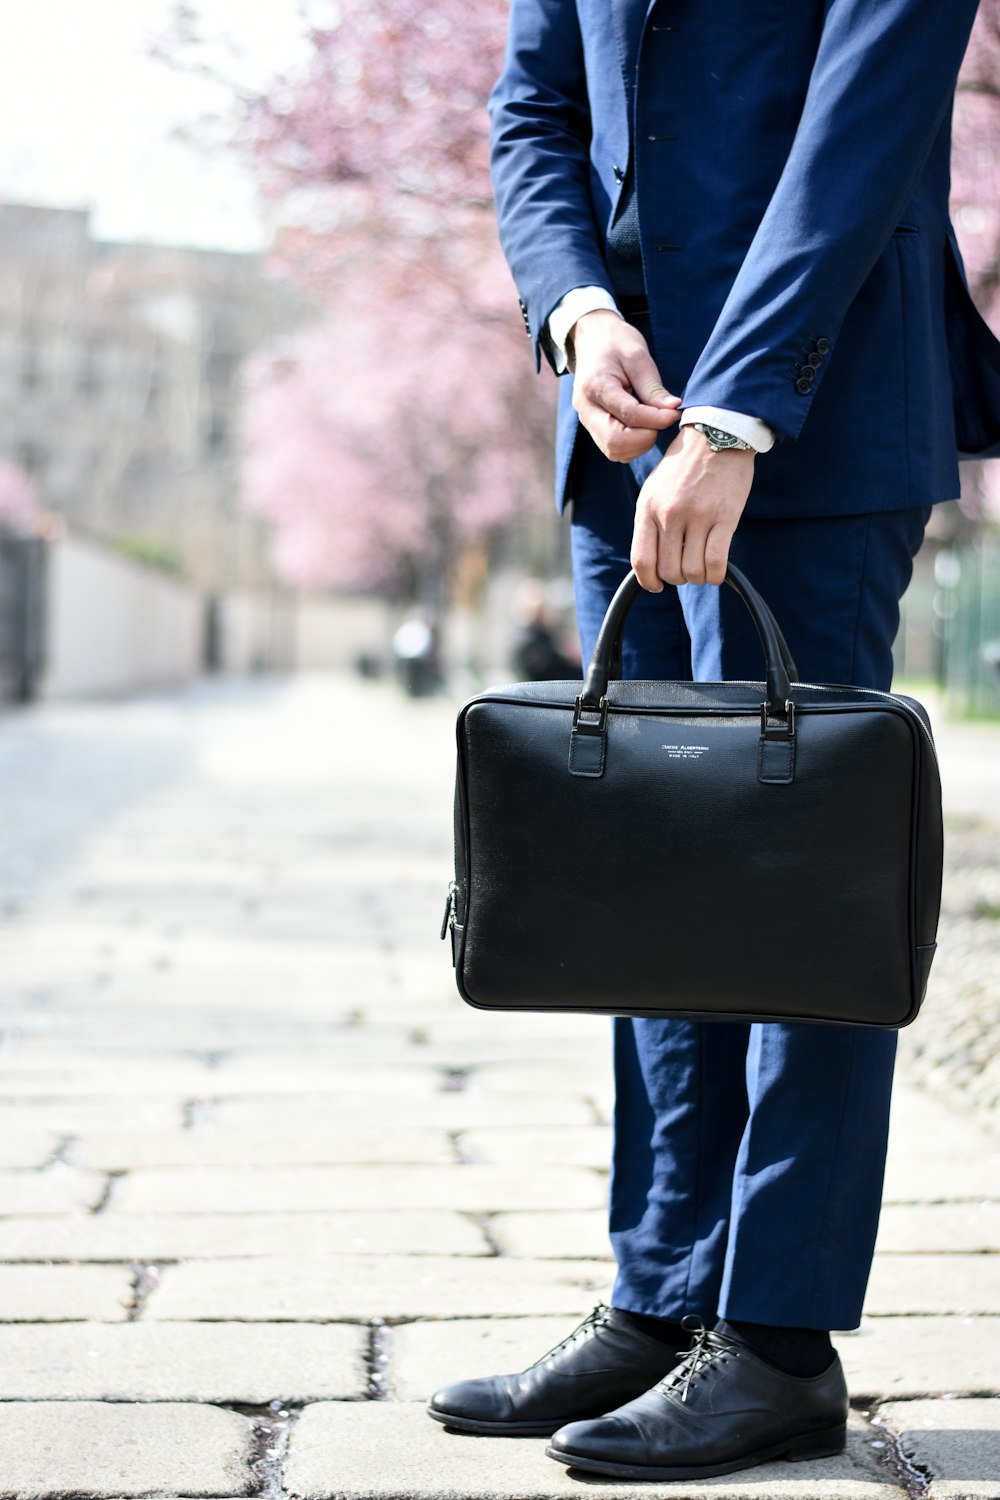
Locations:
(687, 512)
(618, 393)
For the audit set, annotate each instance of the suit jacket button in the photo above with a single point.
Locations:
(822, 346)
(815, 360)
(803, 386)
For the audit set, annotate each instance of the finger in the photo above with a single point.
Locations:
(644, 378)
(608, 392)
(619, 443)
(692, 563)
(717, 545)
(669, 555)
(643, 556)
(623, 444)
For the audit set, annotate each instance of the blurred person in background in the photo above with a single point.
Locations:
(541, 654)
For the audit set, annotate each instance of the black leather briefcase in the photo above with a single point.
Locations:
(765, 851)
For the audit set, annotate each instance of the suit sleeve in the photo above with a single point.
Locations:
(539, 160)
(880, 90)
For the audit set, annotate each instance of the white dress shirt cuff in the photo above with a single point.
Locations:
(582, 299)
(751, 429)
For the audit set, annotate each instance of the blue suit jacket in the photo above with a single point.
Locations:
(791, 160)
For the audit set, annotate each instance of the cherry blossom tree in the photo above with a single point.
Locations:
(405, 426)
(976, 160)
(976, 211)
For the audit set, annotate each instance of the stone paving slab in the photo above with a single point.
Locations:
(470, 1188)
(521, 1031)
(58, 1190)
(586, 1146)
(55, 1294)
(559, 1235)
(183, 1079)
(922, 1356)
(357, 1453)
(448, 1109)
(549, 1075)
(220, 1362)
(189, 1078)
(966, 1227)
(122, 1029)
(376, 1286)
(390, 1079)
(918, 1118)
(356, 1045)
(90, 1449)
(929, 1284)
(29, 1146)
(145, 1237)
(341, 1140)
(957, 1441)
(891, 1356)
(400, 1037)
(246, 986)
(62, 1117)
(942, 1176)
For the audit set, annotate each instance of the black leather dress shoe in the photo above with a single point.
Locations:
(721, 1408)
(606, 1361)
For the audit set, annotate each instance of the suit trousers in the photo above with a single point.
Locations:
(748, 1159)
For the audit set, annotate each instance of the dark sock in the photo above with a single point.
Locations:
(795, 1351)
(660, 1329)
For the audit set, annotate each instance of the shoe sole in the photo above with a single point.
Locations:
(796, 1450)
(497, 1429)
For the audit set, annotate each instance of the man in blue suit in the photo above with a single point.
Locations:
(729, 219)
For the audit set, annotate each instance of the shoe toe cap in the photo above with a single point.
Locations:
(612, 1437)
(483, 1400)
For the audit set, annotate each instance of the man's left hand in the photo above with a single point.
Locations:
(687, 512)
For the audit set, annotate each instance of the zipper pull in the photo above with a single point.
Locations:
(449, 911)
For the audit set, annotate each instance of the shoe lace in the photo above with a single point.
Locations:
(587, 1329)
(708, 1352)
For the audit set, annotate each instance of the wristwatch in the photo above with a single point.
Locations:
(719, 441)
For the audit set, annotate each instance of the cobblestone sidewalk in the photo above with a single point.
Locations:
(265, 1182)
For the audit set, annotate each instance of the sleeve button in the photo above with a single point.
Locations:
(815, 360)
(822, 346)
(803, 386)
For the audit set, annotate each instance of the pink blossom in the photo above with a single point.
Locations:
(405, 427)
(18, 498)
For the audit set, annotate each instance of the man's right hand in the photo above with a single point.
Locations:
(618, 393)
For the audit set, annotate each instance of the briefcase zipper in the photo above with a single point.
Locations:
(449, 911)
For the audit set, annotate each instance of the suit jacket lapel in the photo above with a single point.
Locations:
(630, 20)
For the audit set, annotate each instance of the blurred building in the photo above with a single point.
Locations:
(120, 387)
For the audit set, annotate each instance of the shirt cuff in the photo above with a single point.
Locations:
(582, 299)
(751, 429)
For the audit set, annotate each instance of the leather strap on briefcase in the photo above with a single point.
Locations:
(766, 851)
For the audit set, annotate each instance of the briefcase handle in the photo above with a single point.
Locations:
(605, 664)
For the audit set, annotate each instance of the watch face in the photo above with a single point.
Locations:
(718, 440)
